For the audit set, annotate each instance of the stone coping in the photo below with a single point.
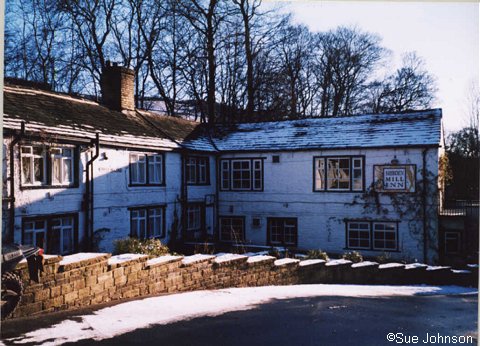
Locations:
(391, 265)
(364, 264)
(310, 262)
(260, 258)
(337, 262)
(416, 266)
(230, 257)
(126, 259)
(82, 259)
(189, 260)
(286, 261)
(157, 261)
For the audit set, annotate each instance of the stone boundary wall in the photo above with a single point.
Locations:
(86, 279)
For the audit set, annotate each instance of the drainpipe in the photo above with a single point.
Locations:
(89, 194)
(10, 234)
(424, 204)
(184, 194)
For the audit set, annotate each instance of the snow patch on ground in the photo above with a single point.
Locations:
(119, 319)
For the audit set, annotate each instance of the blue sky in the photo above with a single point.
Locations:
(444, 34)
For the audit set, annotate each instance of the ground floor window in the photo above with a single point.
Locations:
(282, 231)
(452, 242)
(147, 222)
(372, 235)
(232, 229)
(56, 234)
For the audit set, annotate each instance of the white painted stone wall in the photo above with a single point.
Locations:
(288, 192)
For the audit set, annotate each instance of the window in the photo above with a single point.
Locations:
(232, 229)
(371, 235)
(194, 217)
(146, 169)
(282, 231)
(452, 242)
(56, 234)
(359, 235)
(47, 166)
(384, 236)
(197, 170)
(147, 222)
(241, 174)
(338, 173)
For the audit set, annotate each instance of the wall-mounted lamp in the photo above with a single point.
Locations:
(104, 156)
(394, 160)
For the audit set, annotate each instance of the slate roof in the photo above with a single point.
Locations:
(63, 114)
(418, 128)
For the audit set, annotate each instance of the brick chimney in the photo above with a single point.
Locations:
(118, 85)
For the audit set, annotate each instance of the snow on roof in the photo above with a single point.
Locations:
(360, 131)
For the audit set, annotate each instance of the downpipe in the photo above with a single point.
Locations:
(89, 197)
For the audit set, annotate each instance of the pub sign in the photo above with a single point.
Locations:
(394, 178)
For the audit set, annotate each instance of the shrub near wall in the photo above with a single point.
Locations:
(91, 278)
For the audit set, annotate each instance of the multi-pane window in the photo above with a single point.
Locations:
(197, 170)
(384, 236)
(338, 173)
(146, 222)
(41, 165)
(232, 229)
(62, 165)
(452, 242)
(194, 217)
(55, 234)
(282, 231)
(241, 174)
(358, 235)
(372, 235)
(146, 169)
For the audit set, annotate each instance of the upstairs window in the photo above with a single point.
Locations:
(338, 173)
(241, 174)
(197, 170)
(146, 169)
(47, 166)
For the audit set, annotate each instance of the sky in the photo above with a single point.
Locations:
(444, 34)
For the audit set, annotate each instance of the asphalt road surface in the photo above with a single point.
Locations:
(304, 321)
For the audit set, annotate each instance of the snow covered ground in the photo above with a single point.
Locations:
(125, 317)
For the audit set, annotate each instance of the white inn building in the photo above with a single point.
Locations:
(79, 174)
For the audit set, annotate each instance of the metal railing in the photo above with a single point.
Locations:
(465, 208)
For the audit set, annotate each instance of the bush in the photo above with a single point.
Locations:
(383, 258)
(317, 254)
(353, 256)
(151, 247)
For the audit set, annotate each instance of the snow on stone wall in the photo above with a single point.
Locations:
(87, 279)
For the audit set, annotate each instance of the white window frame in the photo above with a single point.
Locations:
(62, 228)
(197, 170)
(322, 174)
(31, 157)
(368, 231)
(63, 158)
(282, 225)
(194, 212)
(50, 226)
(34, 230)
(254, 170)
(227, 221)
(146, 216)
(150, 165)
(385, 225)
